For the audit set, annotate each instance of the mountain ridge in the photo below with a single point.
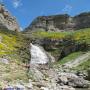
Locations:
(60, 22)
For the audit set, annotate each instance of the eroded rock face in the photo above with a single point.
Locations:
(60, 22)
(82, 20)
(7, 21)
(59, 48)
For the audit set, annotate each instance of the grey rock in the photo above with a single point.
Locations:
(44, 88)
(19, 87)
(58, 23)
(72, 80)
(7, 21)
(78, 83)
(4, 60)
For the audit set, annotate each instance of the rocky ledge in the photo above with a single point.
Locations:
(62, 22)
(7, 21)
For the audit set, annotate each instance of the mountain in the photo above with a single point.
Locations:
(45, 60)
(7, 21)
(62, 22)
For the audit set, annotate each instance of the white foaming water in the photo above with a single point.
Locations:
(38, 55)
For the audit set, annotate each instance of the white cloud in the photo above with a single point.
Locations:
(1, 1)
(17, 3)
(21, 29)
(67, 8)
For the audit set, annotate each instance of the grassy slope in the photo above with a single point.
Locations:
(83, 66)
(70, 57)
(9, 45)
(11, 42)
(79, 35)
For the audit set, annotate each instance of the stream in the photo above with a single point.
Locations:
(47, 77)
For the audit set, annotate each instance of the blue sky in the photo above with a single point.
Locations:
(26, 10)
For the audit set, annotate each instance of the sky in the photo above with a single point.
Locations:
(27, 10)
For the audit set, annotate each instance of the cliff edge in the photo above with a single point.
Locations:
(7, 21)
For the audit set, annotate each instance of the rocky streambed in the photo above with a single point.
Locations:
(49, 79)
(44, 77)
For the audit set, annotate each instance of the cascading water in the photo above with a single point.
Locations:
(38, 55)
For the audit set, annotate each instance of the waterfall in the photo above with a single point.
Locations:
(38, 55)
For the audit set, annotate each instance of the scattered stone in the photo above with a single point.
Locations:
(78, 83)
(63, 80)
(44, 88)
(8, 88)
(19, 87)
(4, 60)
(29, 86)
(66, 88)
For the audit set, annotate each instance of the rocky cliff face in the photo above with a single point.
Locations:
(82, 20)
(60, 22)
(7, 21)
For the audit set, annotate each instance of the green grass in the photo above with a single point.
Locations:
(12, 72)
(82, 35)
(79, 36)
(10, 44)
(52, 35)
(84, 66)
(68, 58)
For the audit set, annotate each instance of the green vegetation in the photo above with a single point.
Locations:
(12, 71)
(15, 47)
(7, 44)
(84, 66)
(68, 58)
(12, 46)
(82, 35)
(52, 35)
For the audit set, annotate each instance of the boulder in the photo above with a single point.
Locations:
(4, 60)
(63, 80)
(7, 21)
(19, 87)
(72, 80)
(78, 83)
(44, 88)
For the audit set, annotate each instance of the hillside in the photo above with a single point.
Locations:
(58, 23)
(13, 57)
(39, 59)
(7, 21)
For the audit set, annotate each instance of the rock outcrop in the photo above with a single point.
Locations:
(62, 22)
(7, 21)
(59, 48)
